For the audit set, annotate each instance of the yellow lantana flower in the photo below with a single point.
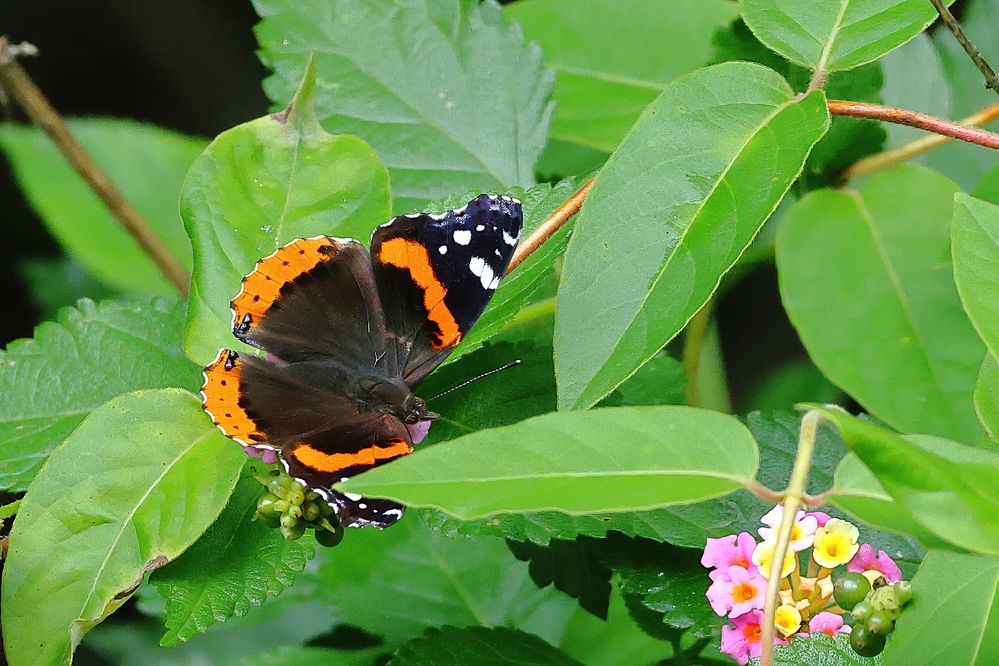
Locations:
(787, 619)
(835, 543)
(763, 557)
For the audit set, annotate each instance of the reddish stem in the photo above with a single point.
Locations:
(914, 119)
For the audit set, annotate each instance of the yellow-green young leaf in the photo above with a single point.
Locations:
(613, 57)
(145, 162)
(128, 491)
(614, 459)
(670, 213)
(90, 354)
(975, 248)
(449, 93)
(953, 617)
(951, 489)
(987, 396)
(838, 34)
(261, 185)
(866, 281)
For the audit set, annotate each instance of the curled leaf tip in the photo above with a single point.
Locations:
(300, 113)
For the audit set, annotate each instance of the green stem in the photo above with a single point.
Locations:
(8, 510)
(693, 350)
(793, 497)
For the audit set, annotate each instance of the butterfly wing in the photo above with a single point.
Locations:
(304, 411)
(436, 273)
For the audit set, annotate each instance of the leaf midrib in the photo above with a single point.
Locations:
(359, 485)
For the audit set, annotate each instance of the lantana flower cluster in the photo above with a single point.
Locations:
(741, 563)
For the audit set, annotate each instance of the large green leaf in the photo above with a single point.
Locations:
(975, 247)
(613, 57)
(987, 396)
(90, 354)
(408, 578)
(449, 94)
(145, 162)
(478, 645)
(821, 649)
(237, 564)
(613, 459)
(842, 34)
(865, 278)
(261, 185)
(670, 213)
(127, 492)
(952, 618)
(951, 489)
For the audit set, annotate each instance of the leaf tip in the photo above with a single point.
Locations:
(300, 113)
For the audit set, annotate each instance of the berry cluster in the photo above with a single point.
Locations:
(873, 607)
(288, 505)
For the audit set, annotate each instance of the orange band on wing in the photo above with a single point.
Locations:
(221, 399)
(263, 286)
(413, 257)
(318, 461)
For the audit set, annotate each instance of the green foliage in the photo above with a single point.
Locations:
(623, 459)
(237, 564)
(839, 35)
(649, 224)
(821, 650)
(490, 647)
(603, 85)
(572, 567)
(987, 396)
(90, 354)
(261, 185)
(899, 337)
(145, 162)
(952, 617)
(462, 86)
(103, 513)
(975, 246)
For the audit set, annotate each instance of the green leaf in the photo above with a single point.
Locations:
(314, 656)
(147, 163)
(489, 647)
(561, 159)
(821, 649)
(259, 186)
(857, 492)
(915, 79)
(987, 396)
(237, 564)
(603, 83)
(710, 158)
(89, 355)
(56, 283)
(618, 641)
(837, 35)
(573, 569)
(614, 459)
(952, 618)
(450, 95)
(951, 489)
(975, 247)
(886, 325)
(128, 491)
(408, 578)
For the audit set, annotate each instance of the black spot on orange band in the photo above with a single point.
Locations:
(221, 392)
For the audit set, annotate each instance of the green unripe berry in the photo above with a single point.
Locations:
(850, 589)
(281, 506)
(327, 538)
(903, 592)
(266, 511)
(865, 642)
(293, 532)
(311, 511)
(296, 495)
(288, 520)
(295, 511)
(880, 622)
(884, 598)
(861, 611)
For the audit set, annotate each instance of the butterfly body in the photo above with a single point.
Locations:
(348, 336)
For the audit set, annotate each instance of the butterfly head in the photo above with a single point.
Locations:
(393, 396)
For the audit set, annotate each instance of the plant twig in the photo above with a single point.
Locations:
(21, 88)
(768, 495)
(693, 349)
(914, 119)
(969, 47)
(548, 228)
(883, 160)
(793, 497)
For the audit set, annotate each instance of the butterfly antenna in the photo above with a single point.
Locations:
(476, 378)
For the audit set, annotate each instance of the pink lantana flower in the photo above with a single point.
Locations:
(738, 593)
(829, 623)
(729, 551)
(266, 456)
(745, 640)
(866, 560)
(820, 517)
(802, 532)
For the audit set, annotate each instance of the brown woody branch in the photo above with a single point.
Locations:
(914, 119)
(968, 46)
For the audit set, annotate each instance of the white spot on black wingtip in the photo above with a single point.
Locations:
(353, 497)
(442, 249)
(395, 513)
(462, 236)
(508, 239)
(480, 227)
(362, 505)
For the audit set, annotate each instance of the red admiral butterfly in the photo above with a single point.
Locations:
(348, 336)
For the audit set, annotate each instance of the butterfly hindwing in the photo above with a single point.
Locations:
(436, 273)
